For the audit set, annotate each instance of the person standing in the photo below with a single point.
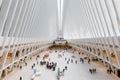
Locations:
(88, 61)
(20, 67)
(65, 58)
(65, 67)
(20, 78)
(76, 61)
(25, 63)
(67, 62)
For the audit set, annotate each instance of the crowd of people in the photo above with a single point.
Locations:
(92, 70)
(52, 65)
(49, 65)
(70, 60)
(109, 71)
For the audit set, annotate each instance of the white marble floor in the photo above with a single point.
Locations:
(75, 71)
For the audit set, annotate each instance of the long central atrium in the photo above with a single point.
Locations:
(59, 39)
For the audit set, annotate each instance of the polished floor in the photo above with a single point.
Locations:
(75, 71)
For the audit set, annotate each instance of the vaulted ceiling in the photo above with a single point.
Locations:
(49, 19)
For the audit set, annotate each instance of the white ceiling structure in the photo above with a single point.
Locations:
(49, 19)
(85, 23)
